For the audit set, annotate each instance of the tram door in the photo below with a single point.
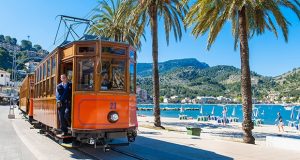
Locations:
(68, 70)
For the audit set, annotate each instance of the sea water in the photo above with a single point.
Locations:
(266, 112)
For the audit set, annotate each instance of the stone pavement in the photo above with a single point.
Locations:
(218, 148)
(19, 142)
(11, 146)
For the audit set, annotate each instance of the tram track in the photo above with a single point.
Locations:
(128, 154)
(112, 150)
(88, 154)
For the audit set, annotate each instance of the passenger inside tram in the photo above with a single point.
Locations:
(105, 83)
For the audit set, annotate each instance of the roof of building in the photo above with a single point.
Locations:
(2, 71)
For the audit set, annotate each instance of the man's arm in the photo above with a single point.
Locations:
(58, 97)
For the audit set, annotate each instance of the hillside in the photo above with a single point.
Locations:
(25, 52)
(288, 84)
(196, 79)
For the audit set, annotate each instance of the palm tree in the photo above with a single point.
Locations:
(248, 17)
(172, 13)
(111, 22)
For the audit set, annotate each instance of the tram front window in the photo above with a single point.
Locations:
(112, 75)
(85, 74)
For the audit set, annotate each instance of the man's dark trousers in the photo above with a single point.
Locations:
(64, 116)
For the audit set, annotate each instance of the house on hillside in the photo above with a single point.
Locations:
(4, 78)
(32, 53)
(10, 47)
(206, 99)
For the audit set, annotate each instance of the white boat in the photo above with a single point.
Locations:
(288, 107)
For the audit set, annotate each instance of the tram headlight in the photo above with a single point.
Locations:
(113, 117)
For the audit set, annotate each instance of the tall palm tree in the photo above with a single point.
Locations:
(111, 21)
(248, 17)
(172, 13)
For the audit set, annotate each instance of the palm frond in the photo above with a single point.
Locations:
(261, 16)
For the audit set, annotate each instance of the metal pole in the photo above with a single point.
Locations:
(11, 114)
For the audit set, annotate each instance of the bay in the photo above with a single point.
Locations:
(266, 112)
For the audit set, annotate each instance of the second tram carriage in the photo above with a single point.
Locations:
(99, 113)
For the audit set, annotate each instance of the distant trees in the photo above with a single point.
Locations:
(2, 39)
(26, 45)
(37, 47)
(8, 39)
(13, 41)
(5, 59)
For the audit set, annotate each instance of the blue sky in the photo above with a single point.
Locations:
(268, 56)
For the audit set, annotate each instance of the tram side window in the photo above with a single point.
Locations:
(53, 65)
(85, 74)
(48, 68)
(44, 71)
(40, 75)
(132, 78)
(88, 49)
(132, 71)
(37, 76)
(113, 50)
(113, 75)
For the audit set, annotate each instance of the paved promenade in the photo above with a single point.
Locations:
(11, 146)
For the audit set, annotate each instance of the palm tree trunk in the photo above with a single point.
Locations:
(155, 77)
(245, 79)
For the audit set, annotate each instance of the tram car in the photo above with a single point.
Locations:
(99, 113)
(26, 96)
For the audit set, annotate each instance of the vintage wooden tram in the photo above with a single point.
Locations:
(99, 113)
(26, 96)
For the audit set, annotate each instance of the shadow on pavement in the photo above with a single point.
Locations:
(152, 149)
(157, 149)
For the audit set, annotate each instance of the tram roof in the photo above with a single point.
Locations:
(91, 38)
(85, 38)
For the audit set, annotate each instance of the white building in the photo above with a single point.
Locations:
(186, 100)
(206, 99)
(223, 99)
(174, 97)
(166, 100)
(4, 78)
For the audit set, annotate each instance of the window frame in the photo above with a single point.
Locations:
(88, 46)
(77, 60)
(114, 47)
(106, 56)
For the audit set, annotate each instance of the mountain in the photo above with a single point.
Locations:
(288, 85)
(191, 78)
(145, 69)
